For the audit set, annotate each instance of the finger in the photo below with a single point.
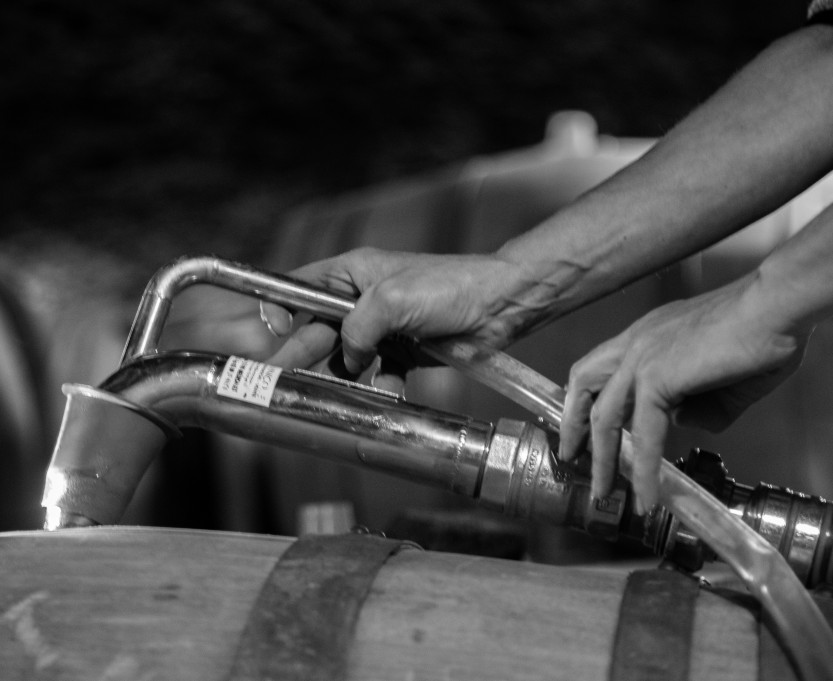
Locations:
(389, 376)
(333, 274)
(354, 271)
(607, 419)
(277, 319)
(587, 378)
(310, 344)
(575, 422)
(377, 314)
(393, 366)
(649, 431)
(333, 365)
(390, 382)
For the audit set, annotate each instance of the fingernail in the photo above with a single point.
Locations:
(354, 365)
(565, 453)
(351, 367)
(279, 333)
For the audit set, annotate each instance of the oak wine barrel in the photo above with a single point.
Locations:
(136, 604)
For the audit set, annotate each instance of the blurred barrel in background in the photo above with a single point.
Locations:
(62, 318)
(24, 434)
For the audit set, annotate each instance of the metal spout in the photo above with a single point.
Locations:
(103, 449)
(111, 434)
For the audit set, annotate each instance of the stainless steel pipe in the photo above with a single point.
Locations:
(112, 433)
(303, 411)
(169, 281)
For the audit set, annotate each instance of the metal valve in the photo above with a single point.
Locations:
(798, 525)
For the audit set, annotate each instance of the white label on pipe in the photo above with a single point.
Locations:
(248, 381)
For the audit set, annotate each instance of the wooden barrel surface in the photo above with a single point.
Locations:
(136, 604)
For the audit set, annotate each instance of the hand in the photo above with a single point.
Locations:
(698, 362)
(417, 295)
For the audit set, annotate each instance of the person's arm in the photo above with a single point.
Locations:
(762, 138)
(698, 362)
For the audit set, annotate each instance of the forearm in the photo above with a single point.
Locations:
(793, 286)
(756, 143)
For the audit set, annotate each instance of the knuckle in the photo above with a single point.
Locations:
(576, 372)
(641, 346)
(598, 419)
(579, 377)
(391, 297)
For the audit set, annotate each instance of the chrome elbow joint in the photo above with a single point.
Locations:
(103, 449)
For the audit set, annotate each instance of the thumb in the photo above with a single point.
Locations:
(374, 317)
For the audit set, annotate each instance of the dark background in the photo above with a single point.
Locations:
(153, 128)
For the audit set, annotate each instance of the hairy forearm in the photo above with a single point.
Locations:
(756, 143)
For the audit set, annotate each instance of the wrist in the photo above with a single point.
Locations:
(772, 298)
(543, 285)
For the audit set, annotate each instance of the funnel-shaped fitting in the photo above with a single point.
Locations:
(86, 483)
